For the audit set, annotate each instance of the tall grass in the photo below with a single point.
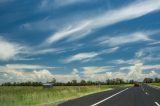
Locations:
(37, 96)
(155, 84)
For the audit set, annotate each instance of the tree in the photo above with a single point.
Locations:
(83, 82)
(148, 80)
(74, 82)
(53, 80)
(157, 80)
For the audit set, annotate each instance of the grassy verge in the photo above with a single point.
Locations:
(157, 85)
(37, 96)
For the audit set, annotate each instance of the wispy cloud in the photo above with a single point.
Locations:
(27, 66)
(69, 2)
(89, 56)
(132, 11)
(67, 33)
(9, 50)
(148, 54)
(124, 39)
(109, 50)
(81, 57)
(53, 4)
(154, 43)
(95, 69)
(123, 62)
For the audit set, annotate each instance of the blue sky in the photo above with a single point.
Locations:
(79, 39)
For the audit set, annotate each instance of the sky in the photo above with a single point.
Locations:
(79, 39)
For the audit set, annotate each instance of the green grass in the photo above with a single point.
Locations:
(37, 96)
(155, 84)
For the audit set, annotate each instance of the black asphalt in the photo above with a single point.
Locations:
(134, 96)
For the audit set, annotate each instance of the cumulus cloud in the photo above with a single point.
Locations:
(74, 75)
(137, 72)
(20, 73)
(95, 73)
(21, 76)
(132, 11)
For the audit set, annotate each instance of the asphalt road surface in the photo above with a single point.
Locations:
(133, 96)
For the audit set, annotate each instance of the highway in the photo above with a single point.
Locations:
(134, 96)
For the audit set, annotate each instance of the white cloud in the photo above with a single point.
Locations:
(137, 72)
(89, 56)
(74, 75)
(132, 11)
(121, 61)
(20, 73)
(8, 50)
(68, 2)
(70, 31)
(94, 70)
(148, 54)
(81, 57)
(95, 73)
(20, 76)
(26, 66)
(154, 43)
(14, 51)
(52, 4)
(110, 50)
(41, 51)
(124, 39)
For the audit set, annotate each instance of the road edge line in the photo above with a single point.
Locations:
(95, 104)
(157, 103)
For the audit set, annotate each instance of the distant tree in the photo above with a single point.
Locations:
(157, 80)
(74, 82)
(148, 80)
(131, 81)
(83, 82)
(54, 80)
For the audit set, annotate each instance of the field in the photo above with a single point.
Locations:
(155, 84)
(37, 96)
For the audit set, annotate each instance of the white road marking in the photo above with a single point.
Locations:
(147, 93)
(142, 88)
(157, 103)
(109, 97)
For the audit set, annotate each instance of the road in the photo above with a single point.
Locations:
(133, 96)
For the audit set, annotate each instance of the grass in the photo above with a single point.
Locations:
(155, 85)
(37, 96)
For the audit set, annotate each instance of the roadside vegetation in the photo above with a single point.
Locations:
(157, 85)
(152, 82)
(37, 96)
(33, 93)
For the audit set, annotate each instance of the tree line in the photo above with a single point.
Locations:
(82, 82)
(151, 80)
